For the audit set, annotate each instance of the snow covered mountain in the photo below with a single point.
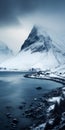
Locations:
(38, 51)
(5, 52)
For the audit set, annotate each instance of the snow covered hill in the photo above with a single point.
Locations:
(5, 52)
(38, 51)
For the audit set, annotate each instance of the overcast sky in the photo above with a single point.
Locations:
(17, 17)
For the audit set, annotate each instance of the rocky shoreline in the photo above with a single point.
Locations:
(50, 111)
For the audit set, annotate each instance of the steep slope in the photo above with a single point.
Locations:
(38, 51)
(5, 52)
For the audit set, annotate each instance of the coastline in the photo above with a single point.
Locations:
(59, 80)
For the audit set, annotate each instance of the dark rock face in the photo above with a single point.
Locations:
(32, 38)
(35, 37)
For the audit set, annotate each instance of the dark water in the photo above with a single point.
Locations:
(15, 89)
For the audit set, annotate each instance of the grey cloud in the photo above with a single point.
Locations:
(11, 9)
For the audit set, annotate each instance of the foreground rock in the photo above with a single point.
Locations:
(54, 111)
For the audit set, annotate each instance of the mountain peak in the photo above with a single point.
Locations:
(40, 30)
(37, 41)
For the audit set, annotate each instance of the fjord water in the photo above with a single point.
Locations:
(15, 89)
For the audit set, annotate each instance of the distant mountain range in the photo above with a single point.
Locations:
(5, 52)
(38, 52)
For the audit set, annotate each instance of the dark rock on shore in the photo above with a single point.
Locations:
(15, 121)
(8, 115)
